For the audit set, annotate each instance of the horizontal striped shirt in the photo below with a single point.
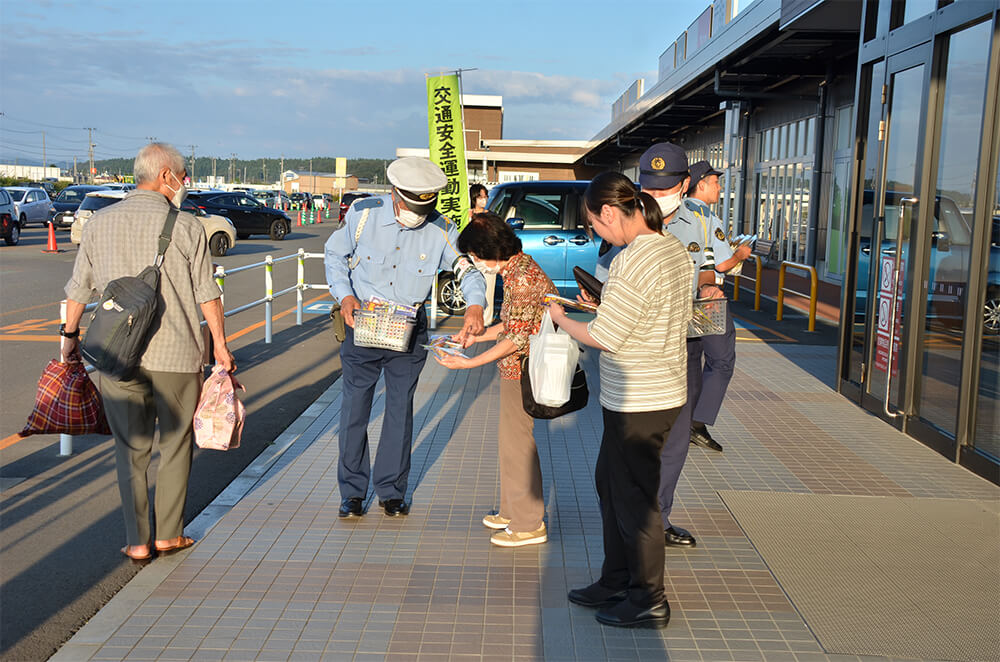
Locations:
(642, 323)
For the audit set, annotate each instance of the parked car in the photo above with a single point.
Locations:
(31, 204)
(10, 228)
(348, 198)
(322, 200)
(248, 215)
(67, 202)
(546, 217)
(304, 200)
(951, 243)
(276, 199)
(219, 230)
(117, 186)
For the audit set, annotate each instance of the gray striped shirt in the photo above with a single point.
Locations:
(642, 322)
(120, 240)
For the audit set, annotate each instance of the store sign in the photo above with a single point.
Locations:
(885, 315)
(447, 145)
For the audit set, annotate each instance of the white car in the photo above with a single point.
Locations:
(31, 204)
(219, 230)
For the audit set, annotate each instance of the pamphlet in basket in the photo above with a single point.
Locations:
(385, 307)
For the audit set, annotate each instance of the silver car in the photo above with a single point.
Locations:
(31, 204)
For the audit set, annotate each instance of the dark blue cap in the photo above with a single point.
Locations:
(700, 171)
(662, 166)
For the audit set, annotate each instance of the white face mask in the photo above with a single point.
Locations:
(178, 196)
(669, 203)
(484, 268)
(410, 218)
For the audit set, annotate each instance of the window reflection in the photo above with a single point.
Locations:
(952, 226)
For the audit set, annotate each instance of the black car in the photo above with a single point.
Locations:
(67, 202)
(249, 215)
(304, 200)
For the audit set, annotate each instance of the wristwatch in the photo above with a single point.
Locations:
(68, 334)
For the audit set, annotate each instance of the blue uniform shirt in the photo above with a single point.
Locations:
(393, 262)
(702, 234)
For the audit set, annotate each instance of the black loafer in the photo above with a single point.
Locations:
(596, 595)
(395, 507)
(351, 507)
(702, 438)
(627, 615)
(678, 537)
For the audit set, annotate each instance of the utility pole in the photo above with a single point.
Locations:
(312, 187)
(282, 173)
(43, 155)
(263, 172)
(191, 173)
(75, 180)
(213, 171)
(90, 147)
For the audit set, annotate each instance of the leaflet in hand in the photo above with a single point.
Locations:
(569, 303)
(444, 345)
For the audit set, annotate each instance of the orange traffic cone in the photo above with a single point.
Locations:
(52, 248)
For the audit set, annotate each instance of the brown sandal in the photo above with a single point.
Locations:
(183, 542)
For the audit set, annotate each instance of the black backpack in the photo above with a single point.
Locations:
(120, 326)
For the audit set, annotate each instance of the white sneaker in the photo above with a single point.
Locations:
(494, 521)
(508, 538)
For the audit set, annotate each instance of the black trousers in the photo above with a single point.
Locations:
(628, 479)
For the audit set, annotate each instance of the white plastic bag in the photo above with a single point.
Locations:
(218, 420)
(552, 359)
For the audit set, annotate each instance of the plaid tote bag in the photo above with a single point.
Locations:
(66, 402)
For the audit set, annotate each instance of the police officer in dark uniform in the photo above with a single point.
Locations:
(719, 350)
(391, 247)
(701, 231)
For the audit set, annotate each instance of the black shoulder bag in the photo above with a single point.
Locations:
(120, 326)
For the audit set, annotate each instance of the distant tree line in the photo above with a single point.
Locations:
(257, 171)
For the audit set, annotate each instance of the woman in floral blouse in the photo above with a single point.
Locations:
(494, 248)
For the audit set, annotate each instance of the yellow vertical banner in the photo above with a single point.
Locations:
(447, 145)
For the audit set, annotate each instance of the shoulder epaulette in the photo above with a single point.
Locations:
(367, 203)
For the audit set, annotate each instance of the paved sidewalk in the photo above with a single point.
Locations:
(280, 577)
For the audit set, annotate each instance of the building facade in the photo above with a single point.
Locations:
(861, 136)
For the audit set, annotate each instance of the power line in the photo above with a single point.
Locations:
(46, 126)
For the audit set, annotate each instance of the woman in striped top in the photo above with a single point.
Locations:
(640, 328)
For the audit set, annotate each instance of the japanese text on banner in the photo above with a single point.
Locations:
(447, 145)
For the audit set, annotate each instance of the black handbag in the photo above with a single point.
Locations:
(578, 395)
(123, 320)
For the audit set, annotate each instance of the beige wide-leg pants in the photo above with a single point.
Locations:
(521, 499)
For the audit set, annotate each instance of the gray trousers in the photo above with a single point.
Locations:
(521, 498)
(133, 408)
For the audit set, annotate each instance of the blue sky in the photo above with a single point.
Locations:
(309, 78)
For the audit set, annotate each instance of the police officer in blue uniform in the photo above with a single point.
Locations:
(664, 174)
(392, 247)
(719, 350)
(701, 231)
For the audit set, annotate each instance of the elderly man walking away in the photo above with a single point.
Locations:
(391, 247)
(118, 241)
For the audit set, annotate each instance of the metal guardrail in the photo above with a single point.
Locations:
(813, 289)
(66, 441)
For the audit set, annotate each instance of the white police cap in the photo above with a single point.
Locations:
(417, 180)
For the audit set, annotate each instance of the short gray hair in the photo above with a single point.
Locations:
(154, 157)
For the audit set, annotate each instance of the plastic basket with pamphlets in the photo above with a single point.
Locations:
(384, 325)
(708, 318)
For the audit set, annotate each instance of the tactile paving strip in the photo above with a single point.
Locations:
(892, 576)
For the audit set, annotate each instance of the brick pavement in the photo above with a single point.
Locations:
(281, 577)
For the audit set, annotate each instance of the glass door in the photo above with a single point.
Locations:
(889, 211)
